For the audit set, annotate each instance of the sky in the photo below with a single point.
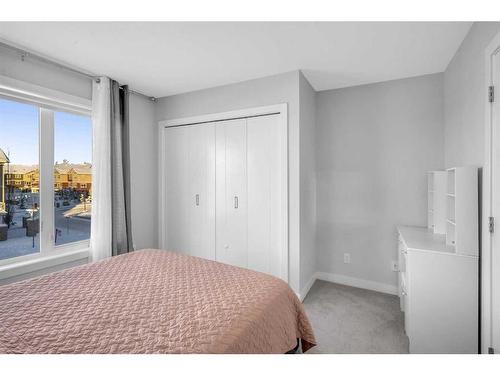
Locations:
(19, 134)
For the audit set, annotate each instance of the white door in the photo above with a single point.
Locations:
(231, 192)
(264, 195)
(190, 190)
(177, 197)
(495, 248)
(201, 170)
(225, 191)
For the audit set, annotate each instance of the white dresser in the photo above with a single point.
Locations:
(439, 293)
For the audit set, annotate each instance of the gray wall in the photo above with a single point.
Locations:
(464, 98)
(282, 88)
(374, 145)
(307, 105)
(144, 172)
(42, 74)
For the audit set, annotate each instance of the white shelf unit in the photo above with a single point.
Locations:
(436, 201)
(462, 210)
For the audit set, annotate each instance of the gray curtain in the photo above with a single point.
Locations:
(121, 228)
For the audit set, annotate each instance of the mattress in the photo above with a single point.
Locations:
(152, 301)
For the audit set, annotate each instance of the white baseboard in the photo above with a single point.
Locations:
(355, 282)
(307, 287)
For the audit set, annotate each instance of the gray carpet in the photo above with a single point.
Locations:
(353, 320)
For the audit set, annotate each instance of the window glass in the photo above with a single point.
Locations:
(19, 179)
(72, 177)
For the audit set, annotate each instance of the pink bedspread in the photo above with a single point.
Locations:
(152, 301)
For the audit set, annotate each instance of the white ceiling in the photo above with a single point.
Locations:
(167, 58)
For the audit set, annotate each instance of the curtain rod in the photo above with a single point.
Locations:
(46, 60)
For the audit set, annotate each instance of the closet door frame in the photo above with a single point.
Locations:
(281, 110)
(490, 244)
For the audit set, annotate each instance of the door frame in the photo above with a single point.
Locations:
(488, 248)
(281, 110)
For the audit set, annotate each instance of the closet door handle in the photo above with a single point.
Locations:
(235, 201)
(197, 199)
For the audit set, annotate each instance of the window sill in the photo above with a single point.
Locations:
(33, 265)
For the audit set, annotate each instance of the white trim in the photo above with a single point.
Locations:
(347, 280)
(57, 250)
(161, 187)
(46, 183)
(487, 209)
(305, 290)
(357, 283)
(42, 96)
(282, 110)
(19, 268)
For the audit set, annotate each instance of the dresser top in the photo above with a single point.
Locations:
(424, 239)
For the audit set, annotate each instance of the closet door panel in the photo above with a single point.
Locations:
(176, 194)
(201, 161)
(264, 198)
(231, 190)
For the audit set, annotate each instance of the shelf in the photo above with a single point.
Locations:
(451, 182)
(450, 233)
(450, 208)
(436, 201)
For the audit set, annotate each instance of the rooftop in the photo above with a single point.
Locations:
(3, 157)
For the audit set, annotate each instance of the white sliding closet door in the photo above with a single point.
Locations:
(264, 195)
(225, 191)
(231, 192)
(190, 189)
(202, 190)
(249, 194)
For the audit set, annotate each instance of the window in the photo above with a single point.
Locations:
(19, 203)
(45, 179)
(73, 155)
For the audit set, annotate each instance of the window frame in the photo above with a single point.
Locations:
(48, 102)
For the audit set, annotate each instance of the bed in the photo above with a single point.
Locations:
(152, 301)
